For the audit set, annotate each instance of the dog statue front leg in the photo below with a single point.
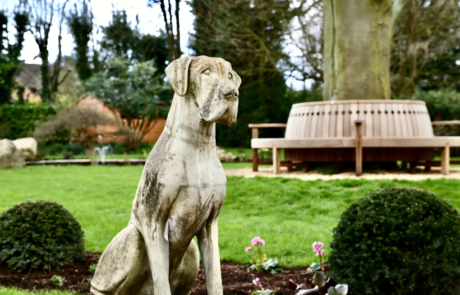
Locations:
(209, 249)
(158, 255)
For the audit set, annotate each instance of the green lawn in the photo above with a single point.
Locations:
(289, 214)
(14, 291)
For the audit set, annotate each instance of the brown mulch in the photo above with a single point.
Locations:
(237, 279)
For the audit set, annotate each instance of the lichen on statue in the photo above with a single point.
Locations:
(180, 193)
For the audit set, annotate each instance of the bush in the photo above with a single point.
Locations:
(39, 235)
(121, 148)
(75, 149)
(19, 121)
(442, 104)
(398, 241)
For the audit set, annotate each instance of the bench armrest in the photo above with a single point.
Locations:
(255, 127)
(452, 123)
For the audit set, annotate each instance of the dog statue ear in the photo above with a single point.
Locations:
(178, 74)
(238, 79)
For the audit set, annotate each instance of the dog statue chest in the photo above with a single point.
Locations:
(201, 194)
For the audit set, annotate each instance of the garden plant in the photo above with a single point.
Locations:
(270, 265)
(39, 235)
(398, 241)
(317, 277)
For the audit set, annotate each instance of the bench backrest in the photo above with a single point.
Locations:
(381, 119)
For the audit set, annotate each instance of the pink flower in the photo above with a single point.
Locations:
(257, 240)
(308, 270)
(248, 249)
(320, 253)
(256, 281)
(317, 246)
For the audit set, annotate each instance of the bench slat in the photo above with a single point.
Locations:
(439, 141)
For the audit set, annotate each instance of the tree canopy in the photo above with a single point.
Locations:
(132, 92)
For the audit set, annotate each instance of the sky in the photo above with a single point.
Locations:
(150, 22)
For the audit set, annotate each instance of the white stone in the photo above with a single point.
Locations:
(180, 193)
(28, 147)
(224, 156)
(10, 156)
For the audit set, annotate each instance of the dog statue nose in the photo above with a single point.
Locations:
(228, 91)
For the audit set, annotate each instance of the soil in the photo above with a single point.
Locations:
(236, 279)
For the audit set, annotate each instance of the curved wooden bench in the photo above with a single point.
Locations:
(375, 130)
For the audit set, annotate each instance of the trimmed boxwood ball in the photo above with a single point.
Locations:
(39, 235)
(398, 241)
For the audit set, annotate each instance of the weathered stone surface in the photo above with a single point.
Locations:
(10, 156)
(28, 147)
(181, 191)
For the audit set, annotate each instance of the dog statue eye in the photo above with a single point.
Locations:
(206, 72)
(230, 76)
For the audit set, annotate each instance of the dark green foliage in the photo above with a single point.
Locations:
(39, 235)
(81, 26)
(119, 37)
(442, 104)
(152, 48)
(56, 148)
(254, 53)
(123, 148)
(21, 120)
(398, 241)
(253, 109)
(9, 54)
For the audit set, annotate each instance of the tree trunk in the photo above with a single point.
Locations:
(45, 79)
(357, 44)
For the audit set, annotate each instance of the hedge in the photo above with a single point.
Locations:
(18, 121)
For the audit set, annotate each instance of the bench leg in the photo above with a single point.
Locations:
(276, 160)
(255, 160)
(359, 148)
(305, 167)
(359, 159)
(413, 167)
(427, 168)
(404, 165)
(445, 160)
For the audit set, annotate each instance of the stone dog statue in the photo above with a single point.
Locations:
(181, 191)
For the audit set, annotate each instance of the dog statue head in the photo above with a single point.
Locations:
(211, 82)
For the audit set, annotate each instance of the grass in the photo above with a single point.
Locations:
(108, 157)
(137, 155)
(15, 291)
(438, 158)
(289, 214)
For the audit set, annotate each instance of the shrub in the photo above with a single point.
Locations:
(398, 241)
(442, 104)
(39, 235)
(19, 121)
(75, 149)
(76, 121)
